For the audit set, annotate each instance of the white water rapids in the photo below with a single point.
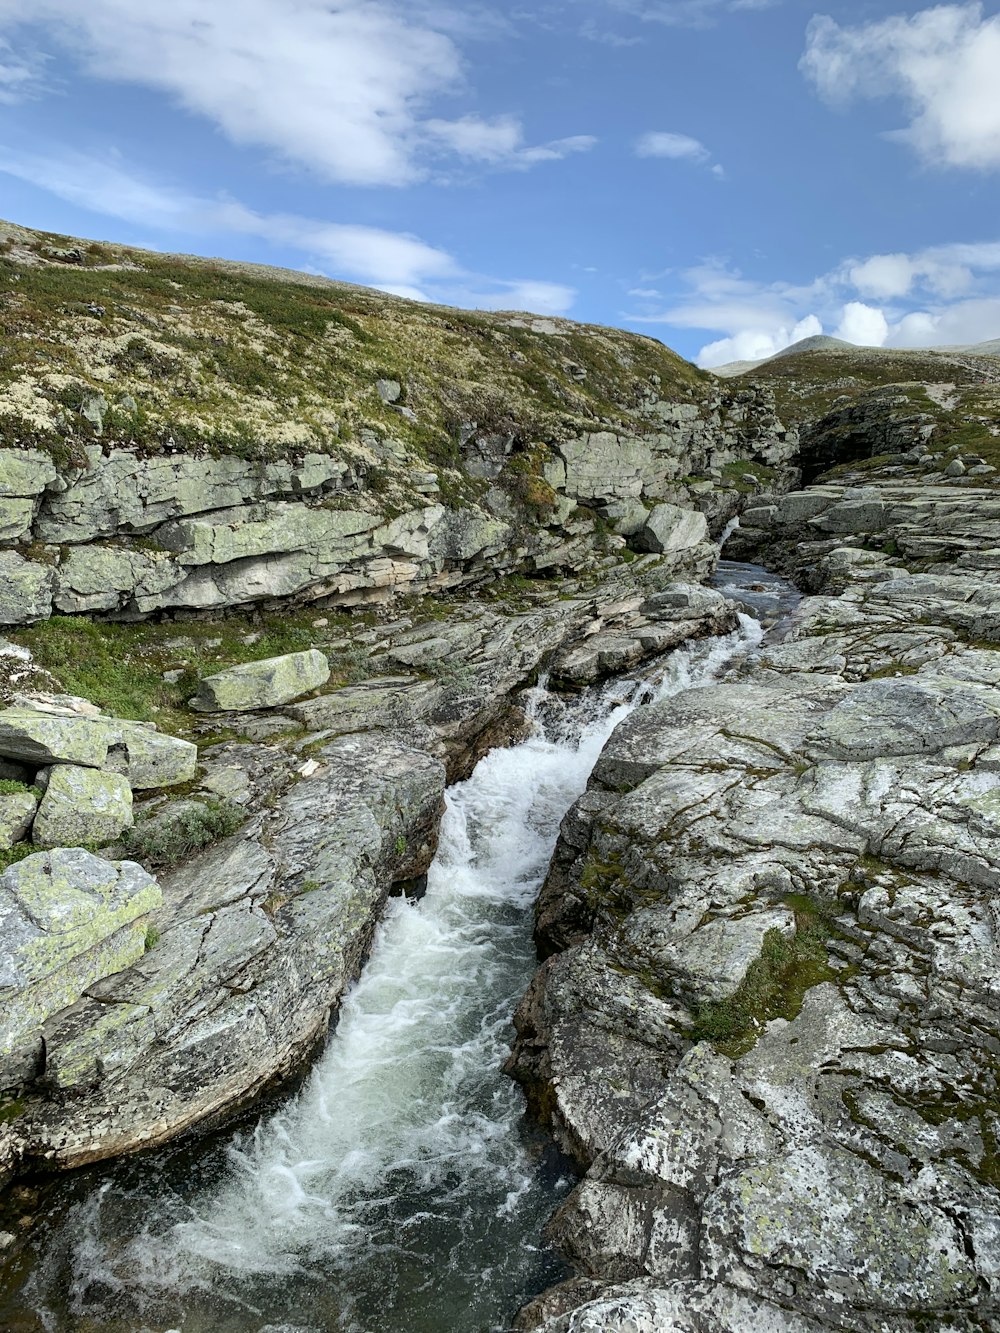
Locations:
(399, 1189)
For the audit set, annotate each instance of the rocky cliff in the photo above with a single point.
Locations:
(191, 435)
(767, 1026)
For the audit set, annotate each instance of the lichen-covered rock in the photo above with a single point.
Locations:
(264, 684)
(82, 805)
(25, 590)
(149, 758)
(67, 918)
(41, 738)
(670, 528)
(258, 938)
(25, 472)
(15, 518)
(768, 1024)
(17, 810)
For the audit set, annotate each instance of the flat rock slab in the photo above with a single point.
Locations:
(149, 758)
(264, 684)
(81, 805)
(41, 738)
(67, 918)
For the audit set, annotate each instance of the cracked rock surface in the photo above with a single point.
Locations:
(767, 1025)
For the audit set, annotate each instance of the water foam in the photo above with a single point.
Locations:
(398, 1189)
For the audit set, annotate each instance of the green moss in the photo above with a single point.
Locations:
(120, 666)
(11, 787)
(775, 982)
(11, 855)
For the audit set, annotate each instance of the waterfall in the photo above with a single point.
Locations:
(728, 530)
(400, 1188)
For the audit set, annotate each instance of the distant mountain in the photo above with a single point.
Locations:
(836, 346)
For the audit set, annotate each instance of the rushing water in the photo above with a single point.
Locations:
(400, 1190)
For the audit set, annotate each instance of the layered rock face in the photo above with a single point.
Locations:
(132, 535)
(767, 1026)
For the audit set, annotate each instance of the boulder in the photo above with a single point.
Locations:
(67, 919)
(17, 810)
(82, 806)
(25, 472)
(25, 590)
(148, 758)
(42, 738)
(264, 684)
(670, 528)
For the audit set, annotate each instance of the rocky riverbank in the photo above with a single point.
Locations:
(277, 555)
(250, 943)
(767, 1024)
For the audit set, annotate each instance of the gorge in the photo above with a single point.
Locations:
(764, 1028)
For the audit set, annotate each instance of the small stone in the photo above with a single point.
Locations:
(93, 409)
(229, 782)
(389, 390)
(956, 468)
(82, 806)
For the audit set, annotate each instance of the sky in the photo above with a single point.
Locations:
(725, 175)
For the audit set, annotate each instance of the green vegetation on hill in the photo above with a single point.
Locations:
(853, 404)
(165, 351)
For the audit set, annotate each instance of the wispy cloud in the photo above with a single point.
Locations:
(676, 147)
(943, 63)
(591, 31)
(663, 143)
(393, 261)
(501, 141)
(19, 76)
(344, 89)
(685, 13)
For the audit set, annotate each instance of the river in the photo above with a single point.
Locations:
(401, 1189)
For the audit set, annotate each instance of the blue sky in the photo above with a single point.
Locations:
(727, 175)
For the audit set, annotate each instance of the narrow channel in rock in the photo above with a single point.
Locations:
(401, 1189)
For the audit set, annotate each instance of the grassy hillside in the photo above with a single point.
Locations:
(856, 391)
(167, 351)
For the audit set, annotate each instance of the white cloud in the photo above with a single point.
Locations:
(685, 13)
(943, 62)
(946, 294)
(18, 76)
(663, 143)
(863, 324)
(343, 87)
(393, 261)
(501, 141)
(757, 344)
(883, 275)
(591, 32)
